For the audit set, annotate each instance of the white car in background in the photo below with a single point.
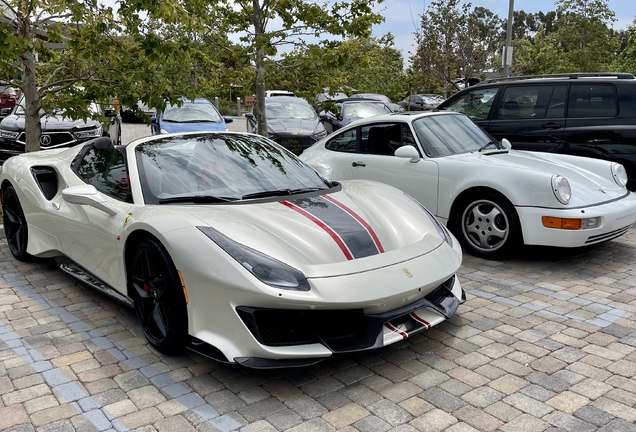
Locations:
(491, 197)
(228, 244)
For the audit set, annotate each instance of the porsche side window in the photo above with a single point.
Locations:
(475, 104)
(592, 100)
(382, 139)
(106, 170)
(344, 142)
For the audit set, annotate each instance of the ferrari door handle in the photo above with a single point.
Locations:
(358, 164)
(551, 126)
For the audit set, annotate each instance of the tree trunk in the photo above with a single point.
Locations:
(259, 60)
(32, 124)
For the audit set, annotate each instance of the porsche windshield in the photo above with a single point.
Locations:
(443, 135)
(220, 167)
(191, 113)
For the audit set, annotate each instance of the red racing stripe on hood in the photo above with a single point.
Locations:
(334, 235)
(357, 217)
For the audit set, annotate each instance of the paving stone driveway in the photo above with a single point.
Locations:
(545, 342)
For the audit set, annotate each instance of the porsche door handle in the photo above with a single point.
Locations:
(358, 164)
(551, 126)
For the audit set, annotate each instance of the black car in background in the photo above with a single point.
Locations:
(582, 114)
(291, 122)
(338, 114)
(421, 102)
(57, 131)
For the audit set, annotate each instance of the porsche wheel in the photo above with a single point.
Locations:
(486, 225)
(159, 298)
(15, 225)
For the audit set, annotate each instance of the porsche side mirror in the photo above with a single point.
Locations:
(110, 113)
(88, 195)
(324, 170)
(408, 152)
(506, 144)
(339, 116)
(249, 115)
(228, 119)
(5, 112)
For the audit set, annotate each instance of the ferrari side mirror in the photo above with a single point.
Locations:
(506, 144)
(88, 195)
(324, 170)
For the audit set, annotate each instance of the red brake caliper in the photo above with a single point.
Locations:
(146, 286)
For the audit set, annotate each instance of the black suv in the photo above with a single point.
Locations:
(580, 114)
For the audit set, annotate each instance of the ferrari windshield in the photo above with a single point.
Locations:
(191, 113)
(289, 109)
(443, 135)
(220, 167)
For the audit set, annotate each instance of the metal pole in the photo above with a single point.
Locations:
(216, 102)
(511, 8)
(238, 106)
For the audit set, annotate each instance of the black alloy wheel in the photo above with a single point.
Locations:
(15, 225)
(159, 298)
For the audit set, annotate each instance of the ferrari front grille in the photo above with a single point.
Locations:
(280, 327)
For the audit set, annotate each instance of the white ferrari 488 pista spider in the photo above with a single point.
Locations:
(229, 245)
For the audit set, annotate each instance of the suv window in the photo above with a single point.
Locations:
(524, 102)
(106, 170)
(475, 104)
(384, 139)
(344, 142)
(592, 100)
(556, 108)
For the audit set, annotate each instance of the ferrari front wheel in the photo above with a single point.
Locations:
(486, 224)
(159, 297)
(15, 225)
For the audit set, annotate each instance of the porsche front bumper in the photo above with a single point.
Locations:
(616, 219)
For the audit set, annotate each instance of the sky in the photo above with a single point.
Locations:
(402, 16)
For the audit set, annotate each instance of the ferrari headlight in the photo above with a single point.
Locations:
(90, 133)
(441, 229)
(619, 174)
(4, 133)
(267, 269)
(561, 188)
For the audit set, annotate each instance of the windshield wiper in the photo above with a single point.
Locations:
(280, 192)
(485, 146)
(197, 199)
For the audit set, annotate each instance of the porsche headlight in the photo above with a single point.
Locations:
(4, 133)
(441, 229)
(88, 133)
(619, 174)
(561, 188)
(267, 269)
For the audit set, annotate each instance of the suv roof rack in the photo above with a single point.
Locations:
(575, 75)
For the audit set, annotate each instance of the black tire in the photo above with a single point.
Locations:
(15, 225)
(159, 298)
(486, 225)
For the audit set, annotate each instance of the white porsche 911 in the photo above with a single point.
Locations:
(491, 197)
(229, 245)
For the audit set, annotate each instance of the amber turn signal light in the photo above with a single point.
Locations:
(561, 223)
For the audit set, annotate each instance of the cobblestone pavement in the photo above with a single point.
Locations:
(545, 342)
